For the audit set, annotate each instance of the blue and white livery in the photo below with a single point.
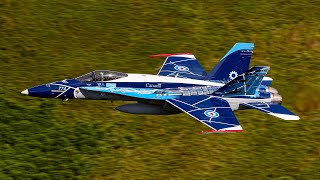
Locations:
(182, 85)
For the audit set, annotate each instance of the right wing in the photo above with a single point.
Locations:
(210, 110)
(183, 66)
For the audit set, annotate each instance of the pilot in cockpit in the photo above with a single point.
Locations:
(100, 77)
(110, 77)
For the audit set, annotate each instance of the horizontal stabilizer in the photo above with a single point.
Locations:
(273, 109)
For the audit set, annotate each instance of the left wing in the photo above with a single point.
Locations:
(210, 110)
(183, 66)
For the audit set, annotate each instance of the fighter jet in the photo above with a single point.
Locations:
(182, 85)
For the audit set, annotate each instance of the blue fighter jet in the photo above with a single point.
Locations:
(182, 85)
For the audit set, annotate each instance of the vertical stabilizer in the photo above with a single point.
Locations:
(245, 84)
(235, 62)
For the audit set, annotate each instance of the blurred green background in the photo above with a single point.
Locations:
(47, 40)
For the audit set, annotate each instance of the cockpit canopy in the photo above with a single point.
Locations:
(101, 75)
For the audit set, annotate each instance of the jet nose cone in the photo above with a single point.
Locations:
(25, 92)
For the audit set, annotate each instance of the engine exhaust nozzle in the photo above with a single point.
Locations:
(272, 90)
(276, 98)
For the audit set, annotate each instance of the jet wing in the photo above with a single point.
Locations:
(210, 110)
(183, 66)
(273, 109)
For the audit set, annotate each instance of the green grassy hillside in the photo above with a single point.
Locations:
(47, 40)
